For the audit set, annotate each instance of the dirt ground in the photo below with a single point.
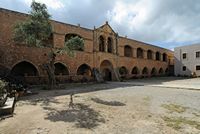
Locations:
(111, 108)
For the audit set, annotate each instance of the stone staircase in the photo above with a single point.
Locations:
(117, 75)
(98, 76)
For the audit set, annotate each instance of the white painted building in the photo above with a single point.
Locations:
(187, 60)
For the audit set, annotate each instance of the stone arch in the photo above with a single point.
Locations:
(101, 44)
(110, 45)
(123, 70)
(164, 57)
(161, 72)
(149, 54)
(24, 68)
(106, 69)
(4, 70)
(128, 51)
(72, 35)
(145, 71)
(140, 53)
(158, 55)
(84, 69)
(61, 69)
(153, 72)
(135, 71)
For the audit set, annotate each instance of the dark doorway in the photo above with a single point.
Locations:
(84, 70)
(60, 69)
(107, 74)
(24, 69)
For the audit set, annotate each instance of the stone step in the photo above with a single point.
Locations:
(8, 107)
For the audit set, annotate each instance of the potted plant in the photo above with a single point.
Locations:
(3, 93)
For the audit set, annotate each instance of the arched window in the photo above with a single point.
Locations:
(61, 69)
(110, 45)
(140, 53)
(145, 71)
(101, 44)
(158, 56)
(153, 72)
(135, 71)
(149, 54)
(84, 69)
(165, 57)
(128, 51)
(24, 69)
(70, 36)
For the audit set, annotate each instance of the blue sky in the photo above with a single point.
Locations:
(165, 23)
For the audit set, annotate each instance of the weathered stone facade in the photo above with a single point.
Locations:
(104, 50)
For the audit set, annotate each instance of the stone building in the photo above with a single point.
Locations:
(104, 51)
(187, 60)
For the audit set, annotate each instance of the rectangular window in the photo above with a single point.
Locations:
(198, 54)
(184, 68)
(198, 67)
(184, 55)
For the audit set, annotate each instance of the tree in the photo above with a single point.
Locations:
(36, 30)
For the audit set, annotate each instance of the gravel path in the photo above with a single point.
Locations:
(115, 108)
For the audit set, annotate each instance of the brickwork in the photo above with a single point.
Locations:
(11, 54)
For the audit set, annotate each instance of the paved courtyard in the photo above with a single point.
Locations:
(132, 107)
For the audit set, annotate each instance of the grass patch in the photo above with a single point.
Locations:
(196, 114)
(176, 122)
(147, 98)
(174, 108)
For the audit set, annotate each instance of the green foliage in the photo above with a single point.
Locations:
(75, 43)
(36, 29)
(3, 85)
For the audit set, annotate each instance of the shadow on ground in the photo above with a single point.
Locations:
(82, 115)
(109, 103)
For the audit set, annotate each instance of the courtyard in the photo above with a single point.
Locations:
(141, 106)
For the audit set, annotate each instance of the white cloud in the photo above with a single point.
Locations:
(165, 23)
(54, 4)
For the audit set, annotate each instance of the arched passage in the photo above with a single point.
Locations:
(101, 44)
(84, 69)
(135, 71)
(61, 69)
(140, 53)
(123, 71)
(145, 71)
(106, 69)
(161, 71)
(24, 68)
(153, 72)
(128, 51)
(166, 71)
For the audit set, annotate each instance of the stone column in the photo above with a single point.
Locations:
(134, 50)
(144, 54)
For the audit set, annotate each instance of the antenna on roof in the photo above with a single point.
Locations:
(107, 22)
(79, 25)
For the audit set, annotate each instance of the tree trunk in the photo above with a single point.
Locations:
(50, 68)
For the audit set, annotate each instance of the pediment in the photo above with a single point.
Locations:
(106, 28)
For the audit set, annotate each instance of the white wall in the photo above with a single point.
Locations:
(190, 62)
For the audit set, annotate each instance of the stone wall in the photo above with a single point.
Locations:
(12, 54)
